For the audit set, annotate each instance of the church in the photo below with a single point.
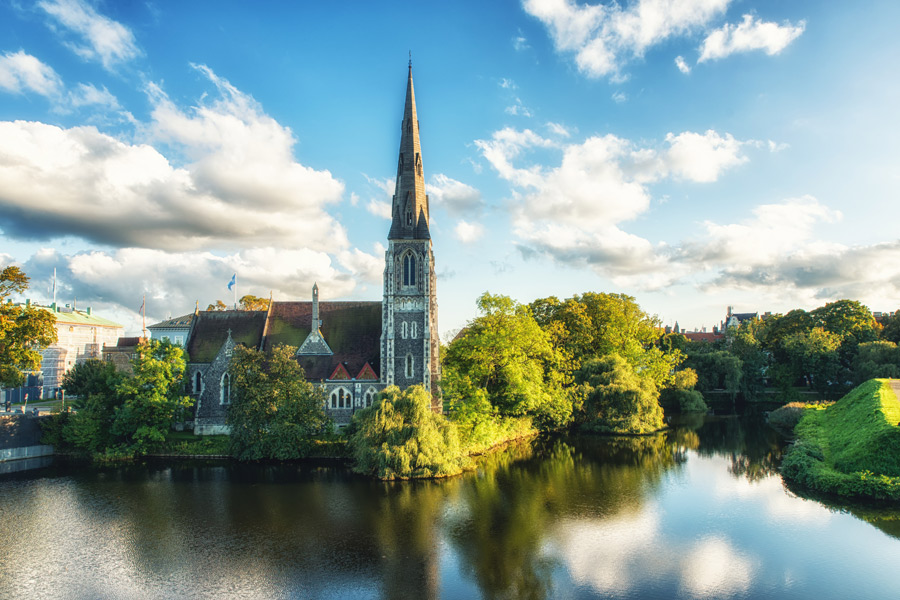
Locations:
(351, 350)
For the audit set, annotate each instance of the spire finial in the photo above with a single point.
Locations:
(410, 59)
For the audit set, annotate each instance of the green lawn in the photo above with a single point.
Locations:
(852, 447)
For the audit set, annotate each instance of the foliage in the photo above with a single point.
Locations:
(24, 330)
(400, 437)
(618, 400)
(188, 444)
(814, 356)
(504, 357)
(852, 447)
(786, 417)
(275, 411)
(151, 399)
(481, 427)
(691, 401)
(250, 302)
(593, 325)
(716, 369)
(93, 376)
(891, 328)
(746, 346)
(247, 302)
(876, 359)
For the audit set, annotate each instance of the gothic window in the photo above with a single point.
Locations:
(409, 217)
(409, 366)
(198, 383)
(409, 270)
(415, 330)
(370, 397)
(341, 398)
(225, 390)
(404, 329)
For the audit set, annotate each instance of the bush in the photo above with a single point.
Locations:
(787, 417)
(691, 401)
(400, 437)
(618, 400)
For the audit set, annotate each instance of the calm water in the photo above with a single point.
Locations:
(698, 513)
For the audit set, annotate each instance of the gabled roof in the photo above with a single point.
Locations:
(176, 323)
(351, 329)
(211, 330)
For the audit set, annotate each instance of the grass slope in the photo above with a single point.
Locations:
(852, 447)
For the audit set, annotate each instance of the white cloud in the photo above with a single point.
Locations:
(619, 97)
(702, 157)
(468, 232)
(20, 72)
(508, 84)
(102, 38)
(682, 65)
(518, 109)
(379, 208)
(557, 129)
(457, 197)
(89, 95)
(173, 281)
(239, 185)
(363, 266)
(520, 42)
(604, 36)
(750, 34)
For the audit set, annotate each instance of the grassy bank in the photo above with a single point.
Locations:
(851, 448)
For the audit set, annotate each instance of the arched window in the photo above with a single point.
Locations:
(198, 383)
(409, 365)
(415, 330)
(409, 270)
(370, 396)
(225, 390)
(404, 328)
(341, 398)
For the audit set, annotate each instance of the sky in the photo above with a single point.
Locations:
(693, 154)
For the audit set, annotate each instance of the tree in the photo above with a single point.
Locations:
(24, 330)
(250, 302)
(746, 346)
(617, 399)
(814, 356)
(891, 328)
(151, 400)
(594, 325)
(400, 437)
(275, 411)
(505, 357)
(876, 360)
(93, 376)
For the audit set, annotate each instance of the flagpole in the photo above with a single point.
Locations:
(235, 292)
(144, 315)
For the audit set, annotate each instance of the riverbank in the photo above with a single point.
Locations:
(851, 448)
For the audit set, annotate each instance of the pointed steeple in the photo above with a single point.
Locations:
(409, 209)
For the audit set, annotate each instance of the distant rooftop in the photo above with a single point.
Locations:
(73, 316)
(176, 323)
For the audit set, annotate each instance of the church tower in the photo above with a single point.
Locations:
(409, 338)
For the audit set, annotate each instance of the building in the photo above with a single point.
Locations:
(81, 335)
(173, 330)
(122, 353)
(352, 350)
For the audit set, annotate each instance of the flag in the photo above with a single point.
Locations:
(141, 309)
(232, 282)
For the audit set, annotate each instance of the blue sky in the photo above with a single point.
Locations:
(692, 153)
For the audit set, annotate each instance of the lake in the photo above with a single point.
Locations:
(700, 512)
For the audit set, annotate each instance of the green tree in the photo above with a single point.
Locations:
(504, 356)
(400, 437)
(814, 356)
(891, 328)
(876, 360)
(93, 376)
(24, 330)
(617, 399)
(152, 399)
(746, 346)
(275, 412)
(598, 324)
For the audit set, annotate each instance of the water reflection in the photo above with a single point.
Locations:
(696, 512)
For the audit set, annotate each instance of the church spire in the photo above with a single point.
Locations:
(409, 208)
